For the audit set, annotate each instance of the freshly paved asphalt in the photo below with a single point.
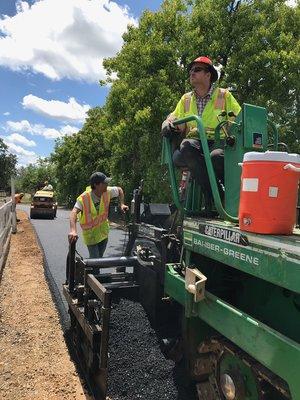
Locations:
(53, 238)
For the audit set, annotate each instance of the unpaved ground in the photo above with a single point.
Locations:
(34, 360)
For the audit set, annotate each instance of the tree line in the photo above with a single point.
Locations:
(254, 42)
(8, 168)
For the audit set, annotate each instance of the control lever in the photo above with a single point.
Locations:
(230, 140)
(94, 306)
(231, 114)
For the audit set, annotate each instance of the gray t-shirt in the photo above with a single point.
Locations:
(114, 192)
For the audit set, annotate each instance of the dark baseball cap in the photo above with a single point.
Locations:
(99, 177)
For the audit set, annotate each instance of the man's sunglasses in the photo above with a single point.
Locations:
(198, 69)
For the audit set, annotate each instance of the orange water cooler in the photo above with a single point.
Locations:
(269, 192)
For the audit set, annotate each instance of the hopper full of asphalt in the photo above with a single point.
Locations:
(137, 368)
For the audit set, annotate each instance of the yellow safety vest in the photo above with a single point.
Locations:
(220, 100)
(94, 223)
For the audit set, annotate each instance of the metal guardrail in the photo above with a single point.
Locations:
(6, 219)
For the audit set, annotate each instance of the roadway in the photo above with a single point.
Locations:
(53, 238)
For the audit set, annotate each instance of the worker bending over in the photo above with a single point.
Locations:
(207, 101)
(93, 207)
(18, 197)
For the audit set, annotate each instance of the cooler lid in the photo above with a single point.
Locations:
(272, 156)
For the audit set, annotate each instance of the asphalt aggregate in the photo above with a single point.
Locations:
(53, 238)
(137, 367)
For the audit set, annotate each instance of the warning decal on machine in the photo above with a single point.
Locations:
(225, 234)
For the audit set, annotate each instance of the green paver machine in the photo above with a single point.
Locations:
(226, 303)
(240, 291)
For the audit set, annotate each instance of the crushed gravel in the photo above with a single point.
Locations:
(34, 363)
(137, 367)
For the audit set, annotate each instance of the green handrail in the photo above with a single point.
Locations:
(174, 184)
(211, 173)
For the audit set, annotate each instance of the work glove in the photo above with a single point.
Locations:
(168, 129)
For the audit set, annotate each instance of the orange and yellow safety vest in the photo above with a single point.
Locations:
(221, 100)
(94, 223)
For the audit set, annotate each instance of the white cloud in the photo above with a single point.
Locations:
(25, 157)
(14, 148)
(291, 3)
(51, 133)
(63, 39)
(68, 130)
(17, 138)
(21, 5)
(70, 111)
(6, 113)
(40, 129)
(20, 126)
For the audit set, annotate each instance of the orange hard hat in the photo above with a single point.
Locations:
(210, 67)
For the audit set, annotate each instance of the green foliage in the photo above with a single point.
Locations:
(150, 81)
(33, 177)
(76, 157)
(256, 42)
(8, 163)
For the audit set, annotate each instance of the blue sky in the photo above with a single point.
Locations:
(51, 55)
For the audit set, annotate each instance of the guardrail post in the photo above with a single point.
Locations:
(13, 207)
(5, 231)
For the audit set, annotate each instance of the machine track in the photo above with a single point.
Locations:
(208, 365)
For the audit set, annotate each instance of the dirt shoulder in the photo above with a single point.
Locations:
(34, 363)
